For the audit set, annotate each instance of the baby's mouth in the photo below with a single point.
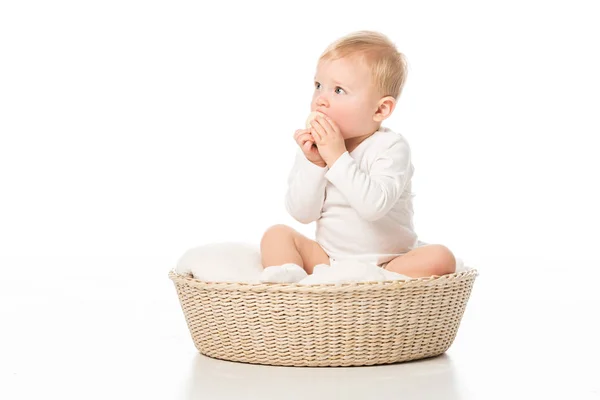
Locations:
(312, 116)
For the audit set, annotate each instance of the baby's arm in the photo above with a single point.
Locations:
(374, 193)
(306, 190)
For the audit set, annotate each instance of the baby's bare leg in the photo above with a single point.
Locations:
(424, 261)
(281, 245)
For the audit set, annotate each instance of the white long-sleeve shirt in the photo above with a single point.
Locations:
(362, 204)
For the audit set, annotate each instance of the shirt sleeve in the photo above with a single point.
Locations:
(373, 194)
(306, 190)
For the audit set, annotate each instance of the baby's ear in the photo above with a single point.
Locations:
(384, 109)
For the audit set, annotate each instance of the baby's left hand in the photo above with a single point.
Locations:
(328, 139)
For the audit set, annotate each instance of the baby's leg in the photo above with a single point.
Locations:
(281, 245)
(424, 261)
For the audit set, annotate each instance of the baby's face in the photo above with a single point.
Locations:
(344, 91)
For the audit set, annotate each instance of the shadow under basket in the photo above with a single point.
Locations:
(324, 325)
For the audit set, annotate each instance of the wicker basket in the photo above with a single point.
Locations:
(325, 325)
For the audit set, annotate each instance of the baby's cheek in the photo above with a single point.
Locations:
(347, 124)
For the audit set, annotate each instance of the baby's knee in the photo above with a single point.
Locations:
(443, 259)
(276, 232)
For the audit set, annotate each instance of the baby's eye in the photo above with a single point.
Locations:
(339, 89)
(317, 85)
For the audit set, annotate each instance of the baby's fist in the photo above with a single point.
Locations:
(307, 144)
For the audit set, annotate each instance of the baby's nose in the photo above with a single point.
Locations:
(322, 101)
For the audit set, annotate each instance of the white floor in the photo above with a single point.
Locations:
(74, 328)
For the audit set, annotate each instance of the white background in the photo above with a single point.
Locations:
(145, 128)
(131, 131)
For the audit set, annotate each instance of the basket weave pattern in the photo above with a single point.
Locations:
(324, 325)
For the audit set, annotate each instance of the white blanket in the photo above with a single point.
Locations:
(240, 262)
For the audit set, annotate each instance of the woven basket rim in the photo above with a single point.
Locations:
(468, 274)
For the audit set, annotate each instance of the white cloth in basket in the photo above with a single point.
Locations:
(222, 262)
(240, 262)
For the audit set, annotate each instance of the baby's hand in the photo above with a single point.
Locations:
(307, 143)
(328, 138)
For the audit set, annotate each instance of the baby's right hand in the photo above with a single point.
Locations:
(309, 148)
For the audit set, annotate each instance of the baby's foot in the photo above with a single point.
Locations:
(286, 273)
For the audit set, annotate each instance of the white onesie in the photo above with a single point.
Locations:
(363, 204)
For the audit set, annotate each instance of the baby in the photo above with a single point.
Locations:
(351, 175)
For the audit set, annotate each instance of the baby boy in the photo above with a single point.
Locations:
(351, 175)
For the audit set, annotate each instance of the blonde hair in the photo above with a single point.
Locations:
(388, 66)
